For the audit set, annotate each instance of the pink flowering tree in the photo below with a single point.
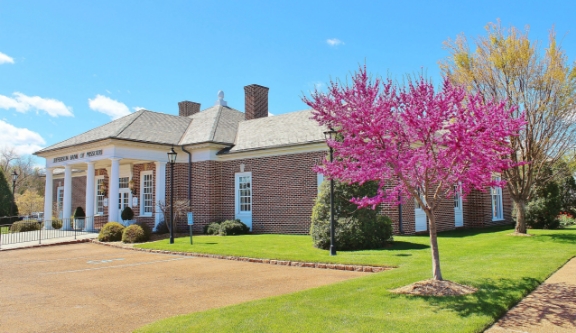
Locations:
(416, 142)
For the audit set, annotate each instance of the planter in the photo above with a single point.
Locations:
(128, 222)
(79, 223)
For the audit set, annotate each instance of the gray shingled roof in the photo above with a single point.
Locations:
(286, 129)
(215, 124)
(143, 125)
(218, 124)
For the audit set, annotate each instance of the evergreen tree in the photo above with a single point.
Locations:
(6, 200)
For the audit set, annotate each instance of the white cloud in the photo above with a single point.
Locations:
(334, 42)
(108, 106)
(23, 140)
(5, 59)
(23, 103)
(138, 108)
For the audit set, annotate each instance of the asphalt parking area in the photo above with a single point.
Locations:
(94, 288)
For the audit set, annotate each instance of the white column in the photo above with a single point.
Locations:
(90, 196)
(114, 190)
(67, 204)
(160, 190)
(48, 193)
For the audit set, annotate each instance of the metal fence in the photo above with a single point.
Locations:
(31, 230)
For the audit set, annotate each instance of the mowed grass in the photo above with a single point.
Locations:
(504, 268)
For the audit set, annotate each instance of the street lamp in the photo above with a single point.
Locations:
(331, 134)
(14, 177)
(172, 159)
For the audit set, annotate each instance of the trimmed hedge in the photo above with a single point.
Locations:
(111, 232)
(212, 228)
(22, 226)
(161, 228)
(136, 233)
(127, 214)
(356, 228)
(226, 228)
(56, 223)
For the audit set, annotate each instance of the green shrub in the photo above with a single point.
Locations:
(233, 227)
(161, 228)
(79, 213)
(136, 233)
(566, 219)
(56, 223)
(146, 228)
(111, 232)
(356, 229)
(29, 225)
(543, 211)
(212, 228)
(127, 214)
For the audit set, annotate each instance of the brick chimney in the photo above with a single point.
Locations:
(187, 108)
(255, 101)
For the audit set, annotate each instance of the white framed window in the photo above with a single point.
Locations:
(99, 204)
(319, 180)
(496, 196)
(123, 182)
(243, 193)
(59, 200)
(422, 197)
(146, 193)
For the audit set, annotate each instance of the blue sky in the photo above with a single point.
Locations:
(69, 66)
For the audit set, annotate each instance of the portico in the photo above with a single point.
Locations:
(104, 179)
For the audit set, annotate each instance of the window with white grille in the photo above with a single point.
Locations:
(99, 196)
(244, 193)
(146, 192)
(123, 182)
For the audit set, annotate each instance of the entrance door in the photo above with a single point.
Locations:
(420, 215)
(123, 199)
(458, 211)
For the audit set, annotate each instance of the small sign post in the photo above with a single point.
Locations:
(190, 223)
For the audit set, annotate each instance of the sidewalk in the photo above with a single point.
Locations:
(66, 237)
(551, 308)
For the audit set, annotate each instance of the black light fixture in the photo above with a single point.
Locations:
(14, 177)
(331, 134)
(172, 159)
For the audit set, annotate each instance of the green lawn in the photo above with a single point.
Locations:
(4, 229)
(504, 268)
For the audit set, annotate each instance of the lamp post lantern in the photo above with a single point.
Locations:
(172, 159)
(14, 177)
(331, 134)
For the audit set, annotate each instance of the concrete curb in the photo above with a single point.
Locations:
(46, 245)
(342, 267)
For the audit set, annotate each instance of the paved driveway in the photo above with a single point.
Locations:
(94, 288)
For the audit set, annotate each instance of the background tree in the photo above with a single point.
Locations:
(29, 175)
(414, 142)
(29, 202)
(6, 200)
(506, 66)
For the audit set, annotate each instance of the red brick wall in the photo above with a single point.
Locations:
(136, 170)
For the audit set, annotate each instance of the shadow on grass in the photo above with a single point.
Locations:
(403, 246)
(473, 232)
(559, 238)
(493, 298)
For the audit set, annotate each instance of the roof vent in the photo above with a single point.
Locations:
(221, 100)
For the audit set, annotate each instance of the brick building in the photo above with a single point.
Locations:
(231, 164)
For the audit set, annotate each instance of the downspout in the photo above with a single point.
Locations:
(189, 177)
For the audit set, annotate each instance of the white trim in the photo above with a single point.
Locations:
(59, 203)
(496, 194)
(244, 216)
(319, 180)
(142, 201)
(278, 151)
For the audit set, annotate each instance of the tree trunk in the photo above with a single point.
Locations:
(520, 216)
(436, 272)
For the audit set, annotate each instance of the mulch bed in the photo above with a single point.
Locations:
(435, 288)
